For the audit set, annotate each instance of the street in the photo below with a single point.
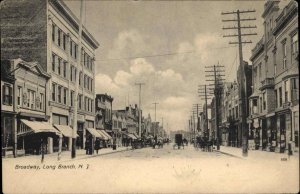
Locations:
(154, 170)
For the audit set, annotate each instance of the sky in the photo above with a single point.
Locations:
(166, 45)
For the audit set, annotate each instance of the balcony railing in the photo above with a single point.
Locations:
(267, 83)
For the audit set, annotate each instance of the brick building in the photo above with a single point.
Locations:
(47, 32)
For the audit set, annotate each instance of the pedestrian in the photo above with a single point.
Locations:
(97, 145)
(87, 144)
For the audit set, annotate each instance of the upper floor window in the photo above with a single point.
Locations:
(284, 52)
(264, 101)
(42, 101)
(295, 89)
(65, 96)
(65, 69)
(59, 93)
(259, 71)
(280, 96)
(30, 103)
(72, 98)
(53, 32)
(295, 47)
(64, 41)
(53, 91)
(59, 37)
(276, 99)
(7, 94)
(19, 97)
(59, 66)
(286, 91)
(53, 62)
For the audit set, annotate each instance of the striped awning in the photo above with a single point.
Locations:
(103, 136)
(31, 127)
(66, 130)
(106, 134)
(94, 132)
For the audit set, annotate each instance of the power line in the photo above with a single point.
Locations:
(160, 55)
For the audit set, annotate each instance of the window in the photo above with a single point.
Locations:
(295, 89)
(53, 32)
(64, 41)
(260, 100)
(65, 96)
(286, 91)
(59, 37)
(75, 51)
(275, 69)
(88, 83)
(259, 71)
(53, 91)
(91, 84)
(59, 94)
(295, 47)
(19, 98)
(254, 103)
(92, 102)
(7, 94)
(276, 99)
(80, 78)
(264, 101)
(71, 47)
(30, 103)
(280, 97)
(42, 101)
(59, 66)
(65, 69)
(284, 54)
(236, 112)
(79, 101)
(75, 73)
(71, 73)
(82, 57)
(85, 103)
(53, 62)
(84, 81)
(72, 98)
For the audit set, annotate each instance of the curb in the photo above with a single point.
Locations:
(225, 153)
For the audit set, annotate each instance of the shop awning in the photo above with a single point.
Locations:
(94, 132)
(30, 127)
(102, 134)
(66, 130)
(106, 134)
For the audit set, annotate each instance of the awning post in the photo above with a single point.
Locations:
(59, 147)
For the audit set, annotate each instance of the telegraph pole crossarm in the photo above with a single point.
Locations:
(242, 89)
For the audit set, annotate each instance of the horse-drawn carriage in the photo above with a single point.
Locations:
(178, 141)
(158, 142)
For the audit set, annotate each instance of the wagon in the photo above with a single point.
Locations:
(178, 141)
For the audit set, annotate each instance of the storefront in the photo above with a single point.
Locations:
(33, 135)
(284, 134)
(7, 133)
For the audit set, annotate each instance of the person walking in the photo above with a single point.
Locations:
(97, 145)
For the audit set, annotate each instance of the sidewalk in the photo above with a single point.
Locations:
(66, 155)
(255, 154)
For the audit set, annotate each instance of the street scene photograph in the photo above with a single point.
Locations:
(149, 96)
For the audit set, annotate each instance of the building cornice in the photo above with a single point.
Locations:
(289, 12)
(63, 9)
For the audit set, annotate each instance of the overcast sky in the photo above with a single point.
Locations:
(193, 29)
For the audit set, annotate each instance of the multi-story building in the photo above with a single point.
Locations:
(31, 118)
(49, 34)
(8, 114)
(104, 112)
(275, 98)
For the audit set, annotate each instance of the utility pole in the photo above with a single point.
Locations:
(215, 71)
(242, 78)
(140, 108)
(204, 94)
(74, 131)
